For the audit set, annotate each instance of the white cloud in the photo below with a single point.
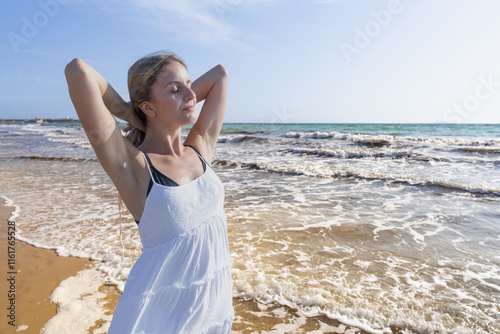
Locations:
(202, 22)
(330, 1)
(27, 98)
(186, 19)
(43, 53)
(194, 21)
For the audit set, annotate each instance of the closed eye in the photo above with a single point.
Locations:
(175, 85)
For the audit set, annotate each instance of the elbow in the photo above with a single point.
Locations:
(222, 75)
(222, 71)
(74, 67)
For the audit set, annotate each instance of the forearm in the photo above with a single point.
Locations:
(205, 83)
(213, 88)
(77, 71)
(116, 105)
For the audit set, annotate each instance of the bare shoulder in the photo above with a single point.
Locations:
(137, 158)
(132, 181)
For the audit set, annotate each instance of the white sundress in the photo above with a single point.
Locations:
(181, 283)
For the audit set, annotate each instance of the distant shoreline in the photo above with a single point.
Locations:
(39, 121)
(122, 123)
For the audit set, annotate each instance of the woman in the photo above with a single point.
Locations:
(182, 281)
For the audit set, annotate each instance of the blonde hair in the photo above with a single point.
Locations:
(141, 78)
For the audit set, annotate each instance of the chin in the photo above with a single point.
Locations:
(191, 119)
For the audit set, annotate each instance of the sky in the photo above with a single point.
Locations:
(289, 61)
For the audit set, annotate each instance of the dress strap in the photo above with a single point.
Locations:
(148, 163)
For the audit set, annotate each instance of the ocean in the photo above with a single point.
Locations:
(350, 228)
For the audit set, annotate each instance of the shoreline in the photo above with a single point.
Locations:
(39, 272)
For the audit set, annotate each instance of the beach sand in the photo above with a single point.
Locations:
(39, 272)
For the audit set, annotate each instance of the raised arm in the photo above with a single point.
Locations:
(211, 87)
(94, 100)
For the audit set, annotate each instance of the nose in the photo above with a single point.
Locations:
(190, 95)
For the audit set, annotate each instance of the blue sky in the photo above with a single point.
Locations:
(356, 61)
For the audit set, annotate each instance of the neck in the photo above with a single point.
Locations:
(162, 140)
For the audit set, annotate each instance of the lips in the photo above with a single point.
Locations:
(189, 108)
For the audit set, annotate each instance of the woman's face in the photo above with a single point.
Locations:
(172, 99)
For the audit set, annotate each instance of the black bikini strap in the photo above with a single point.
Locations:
(198, 154)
